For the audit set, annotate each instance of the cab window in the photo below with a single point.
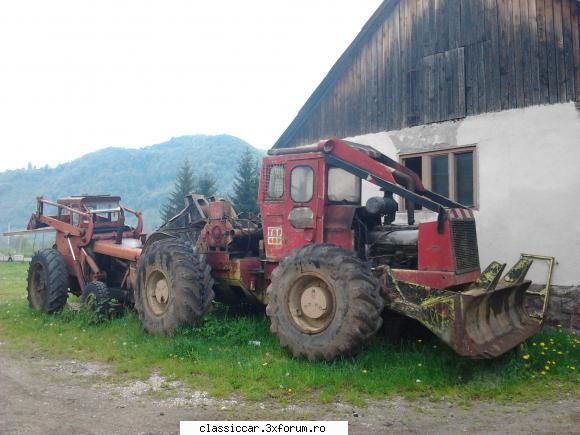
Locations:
(343, 186)
(302, 184)
(275, 182)
(104, 211)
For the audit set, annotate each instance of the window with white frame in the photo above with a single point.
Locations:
(451, 173)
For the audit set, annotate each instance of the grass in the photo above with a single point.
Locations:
(224, 357)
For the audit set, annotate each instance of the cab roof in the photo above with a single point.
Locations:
(77, 199)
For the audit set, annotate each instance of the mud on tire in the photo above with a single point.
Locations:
(47, 281)
(324, 302)
(174, 286)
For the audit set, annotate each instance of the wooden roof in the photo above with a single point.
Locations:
(367, 30)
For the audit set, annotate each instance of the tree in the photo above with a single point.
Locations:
(245, 195)
(184, 185)
(206, 184)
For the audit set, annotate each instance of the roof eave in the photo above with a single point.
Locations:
(383, 11)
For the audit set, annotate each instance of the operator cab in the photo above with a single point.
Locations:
(106, 210)
(108, 216)
(305, 199)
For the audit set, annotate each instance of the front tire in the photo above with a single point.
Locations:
(324, 302)
(47, 281)
(175, 286)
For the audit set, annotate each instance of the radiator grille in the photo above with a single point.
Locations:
(465, 245)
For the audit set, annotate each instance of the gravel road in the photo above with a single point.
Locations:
(39, 395)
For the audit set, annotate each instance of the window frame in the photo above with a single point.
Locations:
(290, 183)
(452, 165)
(344, 202)
(268, 174)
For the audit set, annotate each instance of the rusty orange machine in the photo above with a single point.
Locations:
(98, 257)
(95, 253)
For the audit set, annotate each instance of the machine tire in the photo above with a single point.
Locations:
(343, 280)
(174, 286)
(47, 281)
(97, 296)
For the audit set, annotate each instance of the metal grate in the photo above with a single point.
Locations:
(274, 185)
(465, 245)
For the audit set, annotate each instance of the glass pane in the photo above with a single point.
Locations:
(343, 186)
(302, 183)
(275, 181)
(99, 206)
(440, 175)
(415, 164)
(464, 178)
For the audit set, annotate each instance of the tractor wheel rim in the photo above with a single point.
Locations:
(311, 303)
(38, 285)
(158, 292)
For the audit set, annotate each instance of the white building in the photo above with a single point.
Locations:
(481, 98)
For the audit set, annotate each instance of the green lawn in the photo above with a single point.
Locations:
(221, 357)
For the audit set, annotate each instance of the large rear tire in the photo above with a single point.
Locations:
(324, 302)
(47, 281)
(175, 286)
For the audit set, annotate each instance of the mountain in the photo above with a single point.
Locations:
(142, 177)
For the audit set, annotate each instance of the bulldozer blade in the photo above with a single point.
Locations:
(485, 321)
(493, 322)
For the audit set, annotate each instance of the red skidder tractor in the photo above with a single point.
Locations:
(96, 256)
(329, 269)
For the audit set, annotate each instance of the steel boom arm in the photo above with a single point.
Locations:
(371, 165)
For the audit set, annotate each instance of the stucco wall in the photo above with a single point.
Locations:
(528, 185)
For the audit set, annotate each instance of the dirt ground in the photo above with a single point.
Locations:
(39, 395)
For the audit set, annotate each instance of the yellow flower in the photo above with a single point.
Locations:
(289, 390)
(265, 364)
(542, 344)
(526, 356)
(365, 371)
(533, 344)
(572, 368)
(419, 365)
(546, 367)
(560, 352)
(542, 373)
(542, 353)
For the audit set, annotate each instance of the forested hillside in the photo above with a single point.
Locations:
(142, 177)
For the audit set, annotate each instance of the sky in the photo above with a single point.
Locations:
(77, 76)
